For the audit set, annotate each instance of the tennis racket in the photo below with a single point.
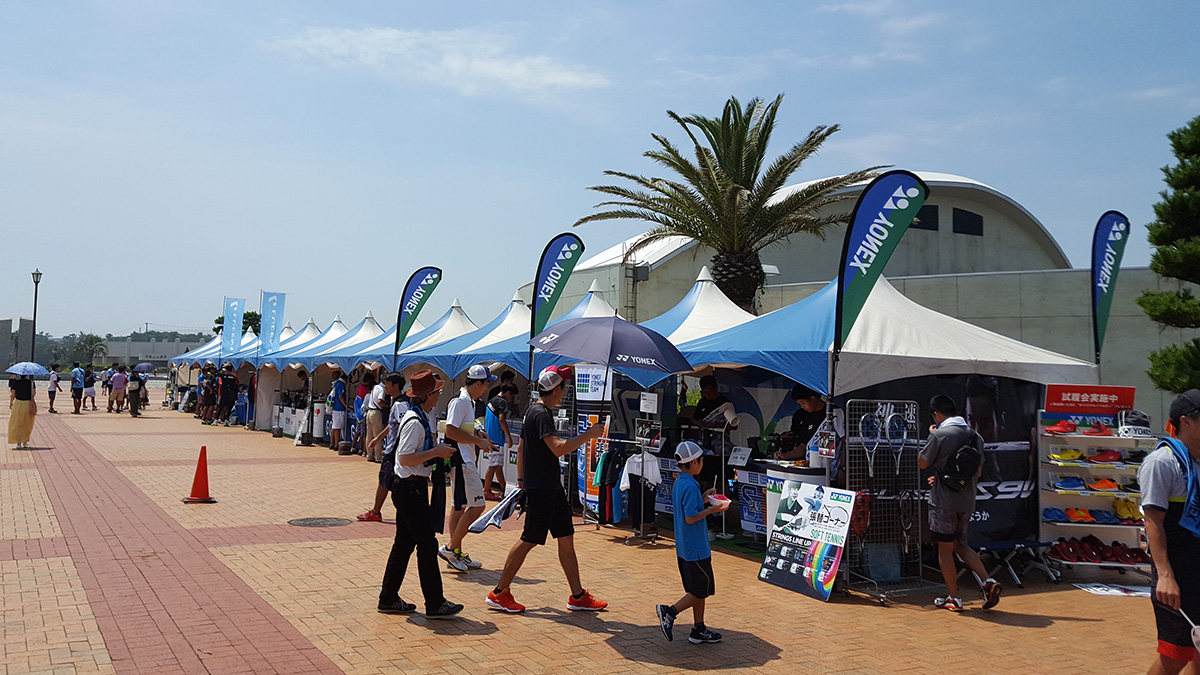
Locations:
(908, 516)
(871, 432)
(897, 435)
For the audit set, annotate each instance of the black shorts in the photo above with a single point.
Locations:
(697, 577)
(546, 511)
(1174, 632)
(228, 402)
(51, 393)
(209, 400)
(76, 393)
(387, 469)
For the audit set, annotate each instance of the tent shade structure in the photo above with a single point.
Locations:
(211, 351)
(287, 332)
(512, 322)
(367, 330)
(281, 358)
(451, 324)
(894, 338)
(514, 351)
(703, 311)
(185, 358)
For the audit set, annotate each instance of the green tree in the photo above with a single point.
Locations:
(1175, 235)
(249, 320)
(89, 347)
(725, 199)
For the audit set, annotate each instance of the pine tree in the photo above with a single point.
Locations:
(1176, 238)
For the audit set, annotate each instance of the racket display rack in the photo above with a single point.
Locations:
(1052, 470)
(883, 559)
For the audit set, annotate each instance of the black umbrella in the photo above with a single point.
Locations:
(145, 368)
(614, 342)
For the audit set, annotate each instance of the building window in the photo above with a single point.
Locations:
(927, 219)
(966, 222)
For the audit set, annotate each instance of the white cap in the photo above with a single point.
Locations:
(549, 379)
(480, 372)
(687, 451)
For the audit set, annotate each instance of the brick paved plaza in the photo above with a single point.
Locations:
(103, 570)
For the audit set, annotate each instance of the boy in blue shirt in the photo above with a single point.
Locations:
(691, 545)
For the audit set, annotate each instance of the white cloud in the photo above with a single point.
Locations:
(871, 8)
(468, 61)
(1155, 93)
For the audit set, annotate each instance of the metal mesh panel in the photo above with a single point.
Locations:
(889, 550)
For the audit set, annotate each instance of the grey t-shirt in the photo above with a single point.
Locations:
(939, 449)
(1162, 479)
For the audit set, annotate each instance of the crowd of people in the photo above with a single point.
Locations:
(123, 389)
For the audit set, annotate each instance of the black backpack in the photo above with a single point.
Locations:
(960, 470)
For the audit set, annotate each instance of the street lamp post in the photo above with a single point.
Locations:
(37, 279)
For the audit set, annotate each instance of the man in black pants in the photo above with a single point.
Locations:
(227, 393)
(547, 509)
(410, 495)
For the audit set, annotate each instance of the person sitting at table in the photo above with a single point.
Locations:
(805, 421)
(815, 405)
(713, 411)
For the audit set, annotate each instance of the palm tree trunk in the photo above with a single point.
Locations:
(739, 276)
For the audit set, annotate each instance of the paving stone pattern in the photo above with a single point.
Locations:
(104, 570)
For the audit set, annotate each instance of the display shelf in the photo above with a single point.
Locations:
(1073, 524)
(1092, 493)
(1102, 440)
(1092, 465)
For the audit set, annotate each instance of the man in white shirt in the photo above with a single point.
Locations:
(373, 412)
(469, 500)
(54, 387)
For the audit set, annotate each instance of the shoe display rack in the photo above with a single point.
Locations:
(1090, 499)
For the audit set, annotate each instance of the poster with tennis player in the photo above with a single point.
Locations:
(809, 534)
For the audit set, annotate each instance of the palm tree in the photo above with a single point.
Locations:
(724, 200)
(90, 346)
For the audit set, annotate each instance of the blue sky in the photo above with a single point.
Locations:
(327, 150)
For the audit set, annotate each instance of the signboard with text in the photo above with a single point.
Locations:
(809, 534)
(1088, 399)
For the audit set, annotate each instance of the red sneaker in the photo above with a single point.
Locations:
(1105, 455)
(1063, 427)
(586, 604)
(1098, 429)
(504, 602)
(370, 517)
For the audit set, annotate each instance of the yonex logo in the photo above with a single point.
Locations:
(639, 360)
(551, 337)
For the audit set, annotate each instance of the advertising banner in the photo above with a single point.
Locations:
(587, 459)
(271, 323)
(558, 260)
(1108, 246)
(1065, 401)
(231, 326)
(805, 545)
(881, 216)
(592, 383)
(416, 293)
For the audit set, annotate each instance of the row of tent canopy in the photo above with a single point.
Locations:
(893, 338)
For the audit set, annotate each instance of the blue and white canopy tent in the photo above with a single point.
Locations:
(514, 351)
(451, 324)
(211, 352)
(893, 338)
(316, 355)
(271, 377)
(511, 322)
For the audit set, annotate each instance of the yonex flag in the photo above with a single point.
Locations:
(271, 323)
(1108, 246)
(558, 260)
(883, 213)
(416, 292)
(231, 326)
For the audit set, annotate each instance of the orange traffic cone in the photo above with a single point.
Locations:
(200, 482)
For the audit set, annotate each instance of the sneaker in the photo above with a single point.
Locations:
(990, 593)
(504, 602)
(466, 559)
(1098, 429)
(666, 620)
(1072, 483)
(1107, 455)
(1067, 455)
(586, 603)
(1103, 485)
(1132, 486)
(452, 559)
(445, 611)
(396, 607)
(701, 635)
(1134, 457)
(949, 602)
(1061, 428)
(370, 517)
